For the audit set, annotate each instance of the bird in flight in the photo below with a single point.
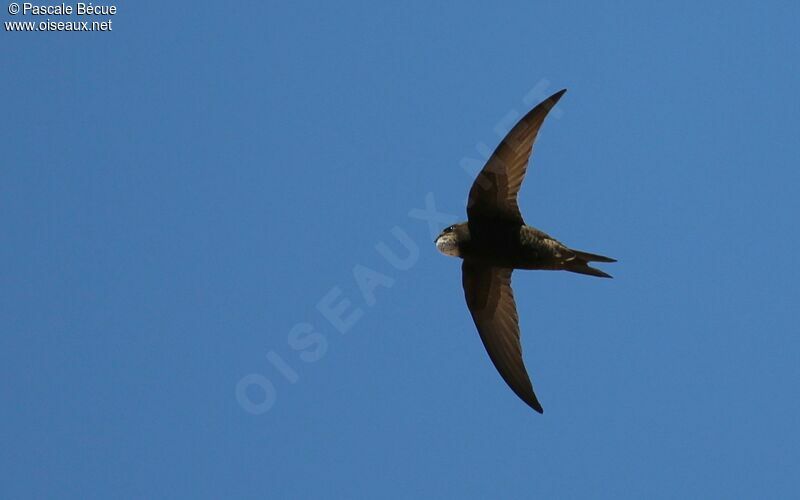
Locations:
(495, 240)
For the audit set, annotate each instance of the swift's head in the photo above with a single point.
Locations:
(451, 238)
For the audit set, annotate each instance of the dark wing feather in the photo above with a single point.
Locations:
(491, 302)
(494, 192)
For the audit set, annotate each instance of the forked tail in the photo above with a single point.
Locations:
(580, 264)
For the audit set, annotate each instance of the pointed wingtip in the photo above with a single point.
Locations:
(553, 99)
(530, 399)
(534, 403)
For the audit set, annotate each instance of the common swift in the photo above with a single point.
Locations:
(495, 240)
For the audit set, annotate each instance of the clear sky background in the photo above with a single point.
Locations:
(177, 195)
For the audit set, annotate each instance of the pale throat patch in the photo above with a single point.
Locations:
(447, 245)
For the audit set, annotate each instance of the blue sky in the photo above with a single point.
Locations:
(179, 195)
